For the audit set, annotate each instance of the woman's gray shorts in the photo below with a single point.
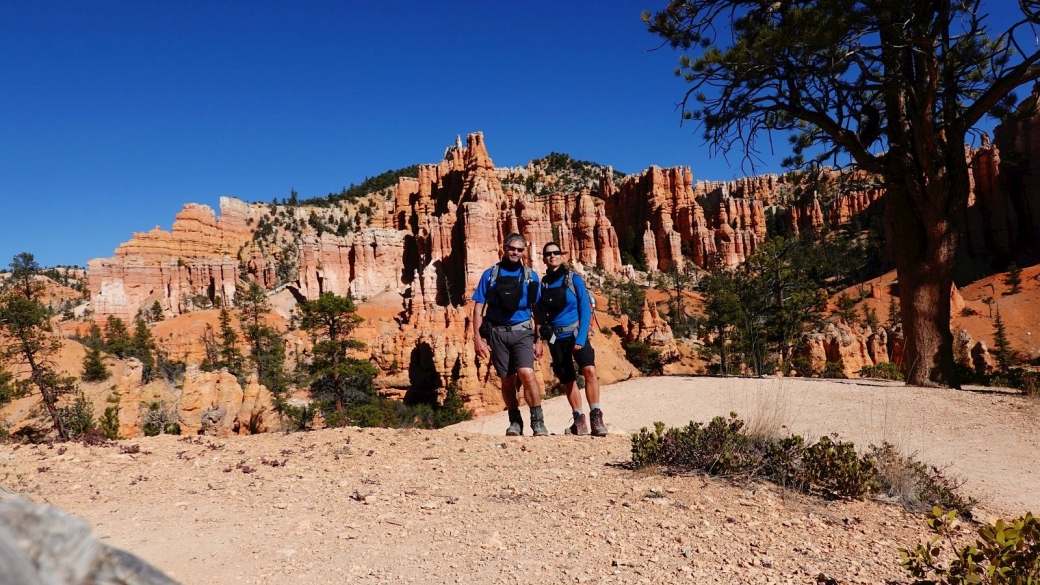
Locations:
(511, 350)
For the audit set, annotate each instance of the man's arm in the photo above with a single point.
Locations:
(483, 351)
(538, 315)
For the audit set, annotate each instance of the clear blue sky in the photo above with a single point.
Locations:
(113, 114)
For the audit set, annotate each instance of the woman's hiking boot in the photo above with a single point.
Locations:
(599, 428)
(580, 426)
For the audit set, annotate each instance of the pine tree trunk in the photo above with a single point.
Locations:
(924, 216)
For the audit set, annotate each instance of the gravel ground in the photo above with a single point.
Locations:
(466, 505)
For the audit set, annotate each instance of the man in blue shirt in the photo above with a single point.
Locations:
(505, 331)
(567, 310)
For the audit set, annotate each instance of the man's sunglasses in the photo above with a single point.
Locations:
(514, 249)
(552, 253)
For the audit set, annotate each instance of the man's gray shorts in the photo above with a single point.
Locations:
(511, 350)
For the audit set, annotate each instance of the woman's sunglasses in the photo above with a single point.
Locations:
(552, 253)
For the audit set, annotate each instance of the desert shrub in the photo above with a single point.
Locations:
(1030, 383)
(1003, 553)
(917, 486)
(109, 423)
(882, 371)
(554, 389)
(380, 411)
(783, 461)
(827, 467)
(802, 366)
(297, 417)
(1027, 381)
(646, 446)
(647, 359)
(452, 410)
(606, 331)
(837, 470)
(833, 370)
(718, 448)
(161, 418)
(77, 417)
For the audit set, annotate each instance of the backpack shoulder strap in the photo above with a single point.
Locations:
(494, 276)
(569, 283)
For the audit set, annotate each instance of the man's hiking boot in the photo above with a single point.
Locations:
(538, 423)
(599, 428)
(516, 423)
(580, 426)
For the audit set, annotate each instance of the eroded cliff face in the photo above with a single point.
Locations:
(197, 258)
(426, 245)
(422, 245)
(453, 220)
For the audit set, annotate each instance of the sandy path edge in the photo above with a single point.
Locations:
(988, 438)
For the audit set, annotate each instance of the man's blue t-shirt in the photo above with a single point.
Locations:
(578, 309)
(496, 315)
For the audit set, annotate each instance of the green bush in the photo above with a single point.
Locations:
(299, 418)
(827, 467)
(94, 369)
(1003, 553)
(837, 470)
(1027, 381)
(718, 448)
(834, 370)
(110, 423)
(77, 417)
(882, 371)
(648, 360)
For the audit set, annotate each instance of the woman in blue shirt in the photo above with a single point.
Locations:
(566, 316)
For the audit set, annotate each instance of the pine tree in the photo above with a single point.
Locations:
(230, 356)
(94, 338)
(266, 349)
(94, 368)
(26, 339)
(1001, 345)
(142, 347)
(893, 311)
(1013, 279)
(117, 338)
(338, 380)
(156, 313)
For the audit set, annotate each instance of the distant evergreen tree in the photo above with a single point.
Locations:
(117, 338)
(142, 346)
(893, 311)
(156, 312)
(230, 356)
(94, 338)
(267, 351)
(94, 368)
(1001, 345)
(338, 380)
(1013, 279)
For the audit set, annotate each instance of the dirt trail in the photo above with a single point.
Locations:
(466, 505)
